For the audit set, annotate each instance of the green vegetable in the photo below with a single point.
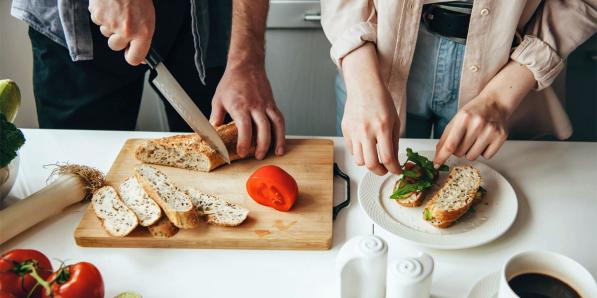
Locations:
(10, 99)
(427, 214)
(11, 139)
(423, 173)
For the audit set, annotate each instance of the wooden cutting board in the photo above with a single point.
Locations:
(308, 225)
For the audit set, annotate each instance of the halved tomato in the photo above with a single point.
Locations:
(272, 186)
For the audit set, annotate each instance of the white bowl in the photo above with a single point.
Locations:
(8, 177)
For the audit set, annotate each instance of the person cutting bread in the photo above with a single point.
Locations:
(89, 73)
(471, 72)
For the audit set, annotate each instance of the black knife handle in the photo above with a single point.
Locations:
(153, 58)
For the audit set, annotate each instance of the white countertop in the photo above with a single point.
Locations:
(556, 184)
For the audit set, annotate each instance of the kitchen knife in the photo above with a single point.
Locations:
(169, 88)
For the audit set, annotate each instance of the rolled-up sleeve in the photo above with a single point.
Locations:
(348, 24)
(556, 29)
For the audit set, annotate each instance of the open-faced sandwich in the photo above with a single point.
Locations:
(418, 175)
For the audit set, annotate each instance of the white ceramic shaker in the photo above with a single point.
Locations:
(409, 277)
(361, 267)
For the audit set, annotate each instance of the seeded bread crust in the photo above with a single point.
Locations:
(163, 228)
(177, 206)
(117, 219)
(414, 200)
(190, 151)
(455, 197)
(217, 211)
(132, 194)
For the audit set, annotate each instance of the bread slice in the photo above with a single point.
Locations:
(133, 195)
(217, 211)
(414, 200)
(190, 151)
(174, 202)
(454, 198)
(163, 228)
(117, 219)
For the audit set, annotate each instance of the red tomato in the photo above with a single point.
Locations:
(15, 272)
(274, 187)
(75, 281)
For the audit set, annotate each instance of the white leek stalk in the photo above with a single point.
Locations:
(74, 184)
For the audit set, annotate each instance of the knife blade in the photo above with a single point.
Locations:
(165, 82)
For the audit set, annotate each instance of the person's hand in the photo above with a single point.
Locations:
(370, 125)
(245, 93)
(128, 24)
(478, 129)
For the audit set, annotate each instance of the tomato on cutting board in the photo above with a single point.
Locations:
(78, 280)
(272, 186)
(15, 272)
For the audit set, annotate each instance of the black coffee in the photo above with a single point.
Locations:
(536, 285)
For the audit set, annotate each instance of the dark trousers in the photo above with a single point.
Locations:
(105, 93)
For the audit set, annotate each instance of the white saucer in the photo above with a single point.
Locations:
(487, 287)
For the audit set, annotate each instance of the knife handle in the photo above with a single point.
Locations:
(153, 58)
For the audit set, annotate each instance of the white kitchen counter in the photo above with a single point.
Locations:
(556, 184)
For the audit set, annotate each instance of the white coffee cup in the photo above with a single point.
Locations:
(548, 263)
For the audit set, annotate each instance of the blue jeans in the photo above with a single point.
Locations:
(432, 88)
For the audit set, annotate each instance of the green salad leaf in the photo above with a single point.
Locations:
(421, 176)
(427, 214)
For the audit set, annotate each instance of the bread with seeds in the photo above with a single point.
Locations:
(217, 211)
(117, 219)
(454, 198)
(133, 195)
(163, 228)
(177, 206)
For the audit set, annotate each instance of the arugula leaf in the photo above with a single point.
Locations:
(410, 188)
(444, 168)
(427, 214)
(409, 173)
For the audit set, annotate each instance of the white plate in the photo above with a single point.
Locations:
(489, 218)
(487, 287)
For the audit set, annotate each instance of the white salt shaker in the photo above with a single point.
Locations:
(361, 267)
(410, 277)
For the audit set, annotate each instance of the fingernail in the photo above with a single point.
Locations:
(436, 166)
(280, 151)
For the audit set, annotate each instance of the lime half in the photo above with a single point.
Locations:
(10, 99)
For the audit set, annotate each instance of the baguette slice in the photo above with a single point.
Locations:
(414, 200)
(163, 228)
(217, 211)
(117, 219)
(190, 151)
(147, 210)
(454, 198)
(175, 203)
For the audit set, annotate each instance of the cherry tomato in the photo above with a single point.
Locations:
(271, 186)
(409, 166)
(74, 281)
(16, 267)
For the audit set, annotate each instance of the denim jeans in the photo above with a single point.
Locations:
(432, 88)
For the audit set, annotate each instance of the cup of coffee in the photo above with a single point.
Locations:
(543, 274)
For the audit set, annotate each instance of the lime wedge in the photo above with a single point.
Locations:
(10, 99)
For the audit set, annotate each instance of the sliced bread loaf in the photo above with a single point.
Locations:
(163, 228)
(217, 211)
(190, 151)
(117, 219)
(174, 202)
(455, 197)
(133, 195)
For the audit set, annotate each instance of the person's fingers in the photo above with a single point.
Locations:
(357, 153)
(396, 142)
(245, 130)
(105, 31)
(348, 144)
(137, 51)
(371, 159)
(473, 130)
(279, 129)
(218, 113)
(495, 145)
(480, 144)
(451, 139)
(387, 151)
(264, 133)
(117, 43)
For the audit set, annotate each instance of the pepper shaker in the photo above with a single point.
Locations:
(361, 267)
(410, 277)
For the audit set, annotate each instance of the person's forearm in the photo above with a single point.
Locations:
(247, 42)
(360, 70)
(509, 87)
